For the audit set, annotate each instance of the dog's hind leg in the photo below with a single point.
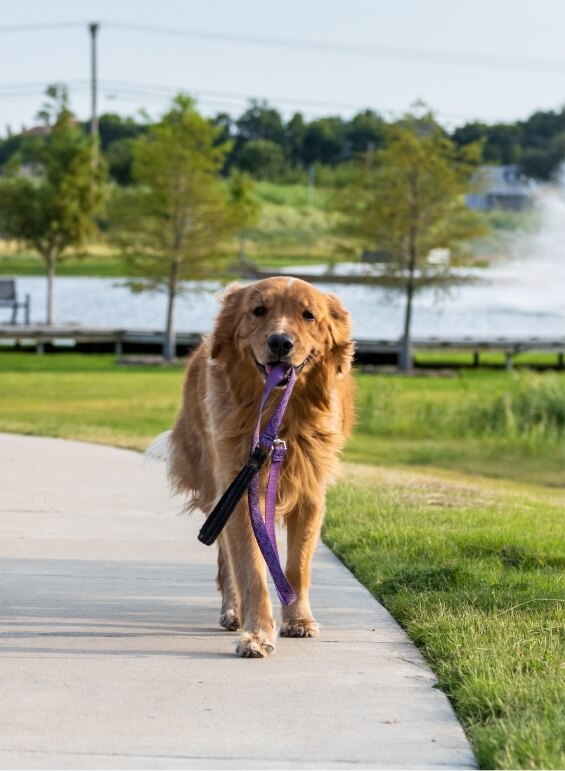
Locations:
(303, 531)
(229, 614)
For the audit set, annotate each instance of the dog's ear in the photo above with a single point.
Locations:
(342, 347)
(228, 318)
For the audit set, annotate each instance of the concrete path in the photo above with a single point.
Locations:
(111, 655)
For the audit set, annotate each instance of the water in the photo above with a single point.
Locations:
(509, 301)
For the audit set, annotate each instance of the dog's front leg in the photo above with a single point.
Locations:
(303, 531)
(249, 570)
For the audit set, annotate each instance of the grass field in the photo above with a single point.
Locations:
(451, 512)
(291, 231)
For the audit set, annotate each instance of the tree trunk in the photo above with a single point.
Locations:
(50, 259)
(405, 356)
(169, 345)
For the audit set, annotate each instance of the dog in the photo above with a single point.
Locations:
(273, 320)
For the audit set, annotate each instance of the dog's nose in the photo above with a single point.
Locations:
(280, 345)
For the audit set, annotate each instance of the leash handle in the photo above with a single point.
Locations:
(217, 520)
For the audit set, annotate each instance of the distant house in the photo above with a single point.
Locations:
(500, 187)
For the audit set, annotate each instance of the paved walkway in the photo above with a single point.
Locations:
(111, 655)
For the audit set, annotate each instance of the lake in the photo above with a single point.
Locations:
(515, 299)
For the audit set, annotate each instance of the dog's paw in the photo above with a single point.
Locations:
(229, 620)
(299, 627)
(254, 646)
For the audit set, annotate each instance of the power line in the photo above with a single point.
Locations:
(157, 93)
(464, 58)
(352, 49)
(41, 27)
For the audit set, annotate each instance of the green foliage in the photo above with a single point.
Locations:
(262, 158)
(528, 406)
(49, 198)
(409, 201)
(324, 142)
(176, 216)
(534, 144)
(493, 423)
(260, 121)
(244, 205)
(119, 157)
(173, 221)
(53, 208)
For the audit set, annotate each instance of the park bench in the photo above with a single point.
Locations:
(9, 299)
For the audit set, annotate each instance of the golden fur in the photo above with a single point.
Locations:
(211, 440)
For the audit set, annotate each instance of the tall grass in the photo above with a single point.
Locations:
(531, 406)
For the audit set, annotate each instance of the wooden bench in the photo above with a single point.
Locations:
(9, 299)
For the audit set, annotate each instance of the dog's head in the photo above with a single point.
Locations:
(283, 320)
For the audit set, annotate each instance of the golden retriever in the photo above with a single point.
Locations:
(277, 319)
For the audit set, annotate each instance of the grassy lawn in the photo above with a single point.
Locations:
(451, 513)
(474, 571)
(290, 231)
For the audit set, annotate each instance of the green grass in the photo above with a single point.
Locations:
(479, 421)
(453, 358)
(86, 397)
(29, 264)
(448, 533)
(475, 574)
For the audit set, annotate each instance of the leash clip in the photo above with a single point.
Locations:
(279, 450)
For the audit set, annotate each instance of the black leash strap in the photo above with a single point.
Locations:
(217, 520)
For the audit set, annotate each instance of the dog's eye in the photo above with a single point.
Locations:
(308, 315)
(260, 310)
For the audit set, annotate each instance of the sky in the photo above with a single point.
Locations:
(492, 60)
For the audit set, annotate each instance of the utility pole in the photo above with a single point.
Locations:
(93, 92)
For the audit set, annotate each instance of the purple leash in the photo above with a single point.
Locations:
(248, 478)
(264, 529)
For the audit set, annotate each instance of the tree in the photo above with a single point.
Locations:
(245, 207)
(324, 141)
(260, 121)
(172, 221)
(262, 158)
(544, 162)
(51, 190)
(294, 131)
(365, 132)
(411, 201)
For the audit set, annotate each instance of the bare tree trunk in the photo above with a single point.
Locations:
(51, 260)
(405, 356)
(169, 345)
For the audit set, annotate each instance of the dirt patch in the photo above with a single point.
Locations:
(424, 489)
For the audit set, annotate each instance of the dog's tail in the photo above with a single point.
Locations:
(160, 449)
